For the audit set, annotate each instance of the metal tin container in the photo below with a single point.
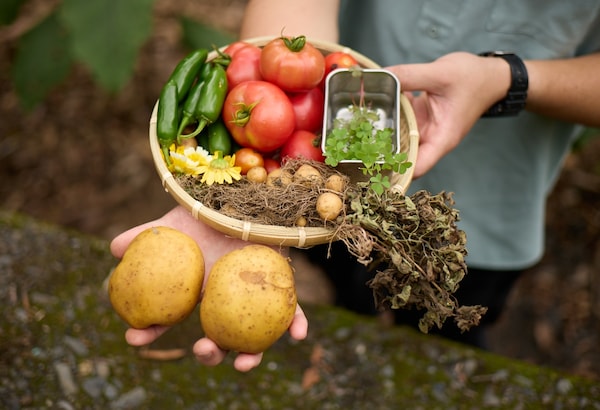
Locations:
(381, 93)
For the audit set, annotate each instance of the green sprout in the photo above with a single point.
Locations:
(357, 138)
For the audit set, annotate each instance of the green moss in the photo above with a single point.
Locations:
(53, 282)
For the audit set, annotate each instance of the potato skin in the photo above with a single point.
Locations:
(308, 175)
(335, 183)
(159, 279)
(249, 299)
(329, 206)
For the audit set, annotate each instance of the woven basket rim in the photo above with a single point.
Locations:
(300, 237)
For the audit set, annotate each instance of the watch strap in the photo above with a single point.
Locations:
(516, 98)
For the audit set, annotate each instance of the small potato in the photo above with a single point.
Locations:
(307, 175)
(329, 206)
(158, 280)
(301, 221)
(278, 176)
(189, 142)
(249, 299)
(257, 174)
(336, 183)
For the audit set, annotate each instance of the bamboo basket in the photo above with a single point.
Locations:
(300, 237)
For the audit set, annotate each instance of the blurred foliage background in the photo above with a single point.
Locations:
(105, 37)
(78, 82)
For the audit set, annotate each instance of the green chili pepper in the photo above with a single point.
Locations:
(186, 70)
(191, 102)
(219, 138)
(189, 109)
(202, 139)
(167, 118)
(210, 104)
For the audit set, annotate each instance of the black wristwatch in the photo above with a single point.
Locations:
(515, 99)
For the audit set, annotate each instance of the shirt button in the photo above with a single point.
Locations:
(433, 31)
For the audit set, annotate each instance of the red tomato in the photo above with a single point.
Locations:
(247, 158)
(303, 144)
(259, 115)
(308, 107)
(271, 164)
(337, 59)
(232, 48)
(292, 63)
(244, 65)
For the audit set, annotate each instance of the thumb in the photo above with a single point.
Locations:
(177, 218)
(121, 242)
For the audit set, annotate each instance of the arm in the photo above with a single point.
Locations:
(458, 88)
(566, 89)
(313, 18)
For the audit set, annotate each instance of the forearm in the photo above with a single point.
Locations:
(315, 19)
(566, 89)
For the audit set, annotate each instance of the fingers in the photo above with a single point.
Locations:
(206, 351)
(245, 362)
(120, 243)
(142, 337)
(298, 330)
(416, 77)
(444, 108)
(299, 327)
(428, 157)
(209, 354)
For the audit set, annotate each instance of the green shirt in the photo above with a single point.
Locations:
(502, 172)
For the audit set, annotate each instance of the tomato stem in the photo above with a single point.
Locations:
(294, 44)
(242, 114)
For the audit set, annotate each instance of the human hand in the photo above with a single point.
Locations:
(213, 244)
(455, 90)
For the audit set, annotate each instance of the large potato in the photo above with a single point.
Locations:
(249, 299)
(159, 279)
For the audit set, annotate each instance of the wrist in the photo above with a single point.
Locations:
(515, 97)
(499, 79)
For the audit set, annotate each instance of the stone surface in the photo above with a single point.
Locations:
(62, 346)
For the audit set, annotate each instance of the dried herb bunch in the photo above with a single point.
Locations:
(417, 250)
(412, 243)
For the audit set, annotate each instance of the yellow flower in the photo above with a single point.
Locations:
(220, 170)
(188, 160)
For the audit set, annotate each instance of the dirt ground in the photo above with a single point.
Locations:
(81, 160)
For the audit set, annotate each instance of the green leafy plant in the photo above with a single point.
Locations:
(103, 36)
(358, 138)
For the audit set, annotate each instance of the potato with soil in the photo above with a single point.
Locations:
(336, 183)
(249, 299)
(329, 206)
(159, 279)
(308, 175)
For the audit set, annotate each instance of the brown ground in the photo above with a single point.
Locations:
(81, 160)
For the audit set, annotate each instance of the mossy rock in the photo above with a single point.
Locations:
(63, 347)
